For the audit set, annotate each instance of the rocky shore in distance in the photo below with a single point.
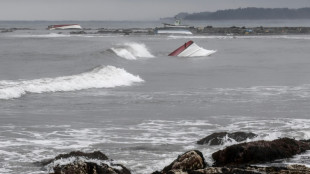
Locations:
(236, 159)
(208, 30)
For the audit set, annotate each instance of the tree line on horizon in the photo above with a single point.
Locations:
(249, 13)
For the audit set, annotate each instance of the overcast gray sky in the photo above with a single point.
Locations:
(124, 9)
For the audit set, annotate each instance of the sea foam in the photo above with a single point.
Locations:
(132, 51)
(100, 77)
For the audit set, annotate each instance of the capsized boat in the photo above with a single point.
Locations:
(191, 49)
(65, 27)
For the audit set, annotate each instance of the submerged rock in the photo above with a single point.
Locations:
(220, 137)
(78, 32)
(191, 160)
(84, 163)
(6, 30)
(94, 155)
(259, 152)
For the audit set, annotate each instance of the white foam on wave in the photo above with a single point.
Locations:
(261, 92)
(164, 139)
(132, 51)
(100, 77)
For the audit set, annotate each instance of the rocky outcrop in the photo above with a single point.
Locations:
(259, 152)
(185, 164)
(292, 169)
(253, 30)
(83, 167)
(220, 137)
(94, 155)
(84, 163)
(234, 159)
(191, 160)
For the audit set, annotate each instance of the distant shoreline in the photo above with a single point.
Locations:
(250, 13)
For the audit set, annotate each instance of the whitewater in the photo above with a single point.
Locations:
(132, 51)
(100, 77)
(124, 96)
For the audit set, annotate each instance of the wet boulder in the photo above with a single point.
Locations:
(220, 138)
(307, 141)
(291, 169)
(191, 160)
(94, 155)
(86, 167)
(259, 152)
(84, 163)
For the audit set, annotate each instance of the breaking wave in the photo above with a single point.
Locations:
(132, 51)
(100, 77)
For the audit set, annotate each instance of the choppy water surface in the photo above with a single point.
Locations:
(124, 96)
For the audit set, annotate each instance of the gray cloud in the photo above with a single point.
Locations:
(124, 9)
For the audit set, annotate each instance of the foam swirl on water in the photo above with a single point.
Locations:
(132, 51)
(100, 77)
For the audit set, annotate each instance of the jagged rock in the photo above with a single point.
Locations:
(94, 155)
(218, 138)
(84, 163)
(259, 152)
(82, 167)
(191, 160)
(293, 169)
(307, 141)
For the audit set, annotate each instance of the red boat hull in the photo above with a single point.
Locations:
(181, 48)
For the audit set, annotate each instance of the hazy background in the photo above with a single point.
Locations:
(125, 9)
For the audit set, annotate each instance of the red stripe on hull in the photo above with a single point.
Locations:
(181, 48)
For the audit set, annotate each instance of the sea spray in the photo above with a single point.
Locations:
(131, 51)
(100, 77)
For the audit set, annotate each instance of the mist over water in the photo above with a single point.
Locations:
(124, 96)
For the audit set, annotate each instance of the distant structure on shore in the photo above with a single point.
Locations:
(175, 28)
(249, 13)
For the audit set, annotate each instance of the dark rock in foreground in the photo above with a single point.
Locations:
(191, 163)
(259, 152)
(292, 169)
(85, 163)
(307, 141)
(82, 167)
(191, 160)
(219, 138)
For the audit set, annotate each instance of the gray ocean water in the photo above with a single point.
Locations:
(124, 96)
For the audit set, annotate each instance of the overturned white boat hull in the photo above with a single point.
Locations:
(172, 31)
(65, 27)
(190, 49)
